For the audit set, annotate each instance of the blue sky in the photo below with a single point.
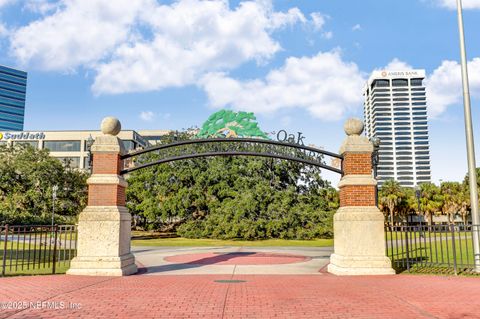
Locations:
(299, 65)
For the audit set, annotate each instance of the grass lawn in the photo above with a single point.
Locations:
(185, 242)
(32, 259)
(398, 235)
(437, 256)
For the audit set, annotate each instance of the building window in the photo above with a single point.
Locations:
(129, 145)
(71, 162)
(423, 163)
(381, 83)
(33, 144)
(86, 163)
(400, 82)
(62, 146)
(416, 82)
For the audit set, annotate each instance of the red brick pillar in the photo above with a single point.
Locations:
(103, 240)
(359, 237)
(100, 194)
(357, 166)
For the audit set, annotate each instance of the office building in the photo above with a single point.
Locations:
(396, 112)
(153, 137)
(70, 147)
(13, 87)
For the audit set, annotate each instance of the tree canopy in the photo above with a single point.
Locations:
(27, 176)
(232, 197)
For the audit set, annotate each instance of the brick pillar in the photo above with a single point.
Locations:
(359, 237)
(103, 243)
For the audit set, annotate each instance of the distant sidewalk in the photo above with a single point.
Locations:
(233, 260)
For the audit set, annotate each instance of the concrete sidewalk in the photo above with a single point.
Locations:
(232, 260)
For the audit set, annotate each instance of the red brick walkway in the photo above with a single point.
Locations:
(262, 296)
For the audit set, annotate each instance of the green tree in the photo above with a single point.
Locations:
(452, 199)
(232, 197)
(467, 179)
(27, 176)
(409, 202)
(431, 201)
(390, 198)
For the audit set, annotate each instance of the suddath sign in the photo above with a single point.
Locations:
(22, 136)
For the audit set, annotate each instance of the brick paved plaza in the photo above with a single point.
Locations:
(256, 296)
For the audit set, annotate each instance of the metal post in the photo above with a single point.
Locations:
(54, 257)
(454, 249)
(407, 238)
(375, 159)
(4, 262)
(470, 144)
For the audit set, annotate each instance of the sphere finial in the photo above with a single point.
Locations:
(111, 126)
(353, 126)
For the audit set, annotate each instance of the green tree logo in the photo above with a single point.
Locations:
(226, 123)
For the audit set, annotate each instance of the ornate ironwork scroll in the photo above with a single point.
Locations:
(232, 147)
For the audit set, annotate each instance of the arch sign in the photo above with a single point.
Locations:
(228, 133)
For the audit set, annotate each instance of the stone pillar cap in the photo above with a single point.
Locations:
(355, 143)
(353, 127)
(111, 126)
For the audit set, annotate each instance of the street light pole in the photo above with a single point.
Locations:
(54, 197)
(470, 144)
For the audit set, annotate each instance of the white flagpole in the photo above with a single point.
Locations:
(472, 172)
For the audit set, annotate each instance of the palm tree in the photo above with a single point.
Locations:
(464, 198)
(431, 200)
(390, 197)
(409, 203)
(452, 199)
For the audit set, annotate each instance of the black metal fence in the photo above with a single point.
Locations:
(36, 249)
(448, 248)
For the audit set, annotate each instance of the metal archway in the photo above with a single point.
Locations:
(235, 147)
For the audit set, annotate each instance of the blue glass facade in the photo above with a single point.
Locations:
(13, 87)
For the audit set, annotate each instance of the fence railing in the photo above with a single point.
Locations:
(447, 247)
(36, 249)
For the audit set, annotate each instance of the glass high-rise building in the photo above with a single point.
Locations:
(13, 87)
(396, 112)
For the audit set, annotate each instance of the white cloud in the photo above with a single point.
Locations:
(3, 3)
(327, 35)
(42, 6)
(452, 4)
(397, 65)
(147, 116)
(324, 85)
(3, 31)
(141, 45)
(194, 37)
(79, 34)
(357, 27)
(444, 85)
(318, 20)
